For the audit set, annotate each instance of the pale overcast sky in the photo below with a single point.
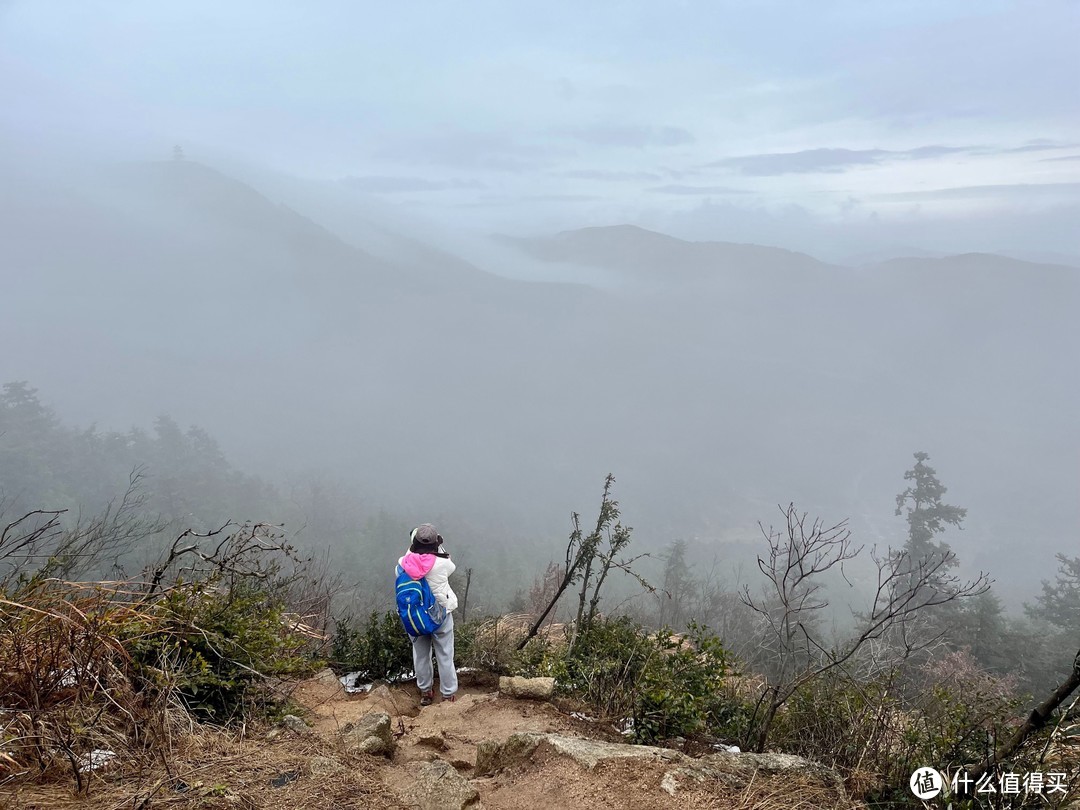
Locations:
(826, 126)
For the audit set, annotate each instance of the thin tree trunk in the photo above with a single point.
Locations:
(465, 597)
(536, 625)
(586, 577)
(595, 601)
(765, 727)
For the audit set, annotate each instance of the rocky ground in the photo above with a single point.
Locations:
(487, 749)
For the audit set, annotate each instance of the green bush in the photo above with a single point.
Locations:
(680, 694)
(215, 644)
(380, 650)
(544, 657)
(668, 685)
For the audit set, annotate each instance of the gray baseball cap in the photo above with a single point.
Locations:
(426, 535)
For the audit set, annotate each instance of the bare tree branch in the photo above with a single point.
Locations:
(794, 599)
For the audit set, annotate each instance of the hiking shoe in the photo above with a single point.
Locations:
(449, 699)
(427, 697)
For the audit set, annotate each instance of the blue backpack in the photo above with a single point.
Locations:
(420, 614)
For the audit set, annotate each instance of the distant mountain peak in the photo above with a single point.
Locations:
(644, 255)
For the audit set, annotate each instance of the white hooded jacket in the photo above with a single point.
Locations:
(437, 574)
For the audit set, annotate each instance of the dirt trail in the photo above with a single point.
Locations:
(445, 730)
(451, 731)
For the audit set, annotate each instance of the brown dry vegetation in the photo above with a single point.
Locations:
(181, 764)
(213, 768)
(217, 633)
(69, 683)
(128, 666)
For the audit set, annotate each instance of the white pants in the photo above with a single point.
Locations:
(443, 642)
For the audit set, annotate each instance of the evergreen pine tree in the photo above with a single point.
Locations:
(927, 516)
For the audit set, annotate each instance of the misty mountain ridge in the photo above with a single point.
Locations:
(758, 376)
(634, 250)
(641, 255)
(212, 199)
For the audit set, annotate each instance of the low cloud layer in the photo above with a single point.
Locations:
(392, 185)
(826, 159)
(676, 188)
(637, 137)
(1015, 191)
(603, 176)
(479, 151)
(505, 117)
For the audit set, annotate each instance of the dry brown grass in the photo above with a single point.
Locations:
(66, 681)
(776, 793)
(744, 688)
(213, 768)
(494, 641)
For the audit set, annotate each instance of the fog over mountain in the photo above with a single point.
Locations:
(715, 379)
(472, 287)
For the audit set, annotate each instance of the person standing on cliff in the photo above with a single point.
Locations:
(428, 558)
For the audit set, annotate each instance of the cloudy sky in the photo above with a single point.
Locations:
(834, 127)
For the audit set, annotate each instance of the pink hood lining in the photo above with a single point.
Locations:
(417, 565)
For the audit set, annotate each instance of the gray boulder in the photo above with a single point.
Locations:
(736, 770)
(529, 688)
(743, 767)
(492, 756)
(438, 786)
(371, 735)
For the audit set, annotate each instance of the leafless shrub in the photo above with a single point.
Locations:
(38, 543)
(791, 606)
